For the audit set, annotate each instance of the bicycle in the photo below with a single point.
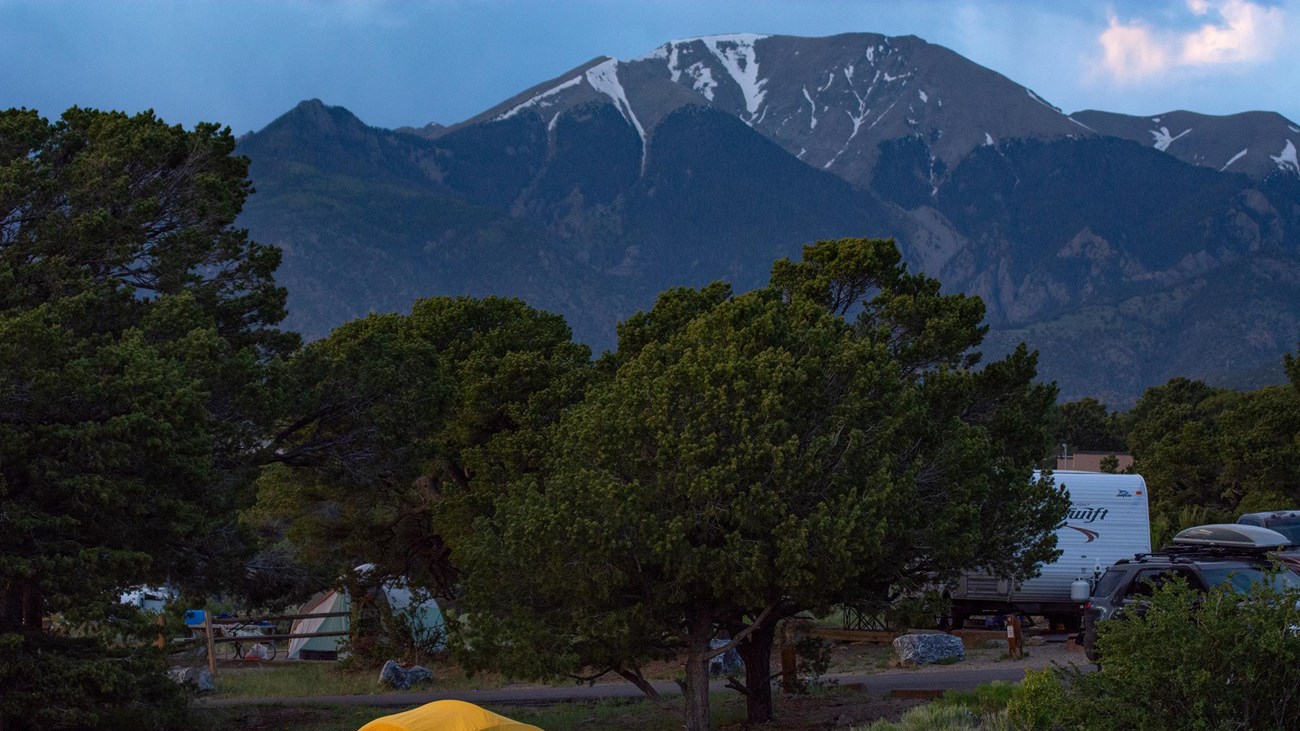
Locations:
(256, 650)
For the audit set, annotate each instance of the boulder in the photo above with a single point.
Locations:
(918, 649)
(399, 678)
(197, 679)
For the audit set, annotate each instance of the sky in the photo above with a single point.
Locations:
(411, 62)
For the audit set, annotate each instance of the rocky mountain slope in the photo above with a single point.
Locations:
(1125, 253)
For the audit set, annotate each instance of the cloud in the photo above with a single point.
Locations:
(1238, 32)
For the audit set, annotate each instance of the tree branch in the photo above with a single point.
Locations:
(746, 632)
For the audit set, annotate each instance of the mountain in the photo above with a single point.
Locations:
(366, 226)
(1258, 144)
(710, 157)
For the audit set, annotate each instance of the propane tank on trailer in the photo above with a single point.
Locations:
(1080, 589)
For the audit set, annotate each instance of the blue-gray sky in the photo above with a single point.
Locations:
(410, 62)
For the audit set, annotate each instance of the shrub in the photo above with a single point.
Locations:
(76, 683)
(1039, 701)
(932, 717)
(1184, 661)
(814, 659)
(985, 699)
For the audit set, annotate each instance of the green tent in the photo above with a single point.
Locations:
(423, 613)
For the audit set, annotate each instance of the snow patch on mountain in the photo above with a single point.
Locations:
(988, 139)
(882, 116)
(542, 99)
(1293, 128)
(830, 79)
(813, 104)
(736, 52)
(1286, 159)
(1235, 158)
(1040, 100)
(604, 79)
(1081, 124)
(703, 76)
(1162, 138)
(924, 97)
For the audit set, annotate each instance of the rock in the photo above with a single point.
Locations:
(399, 678)
(1034, 641)
(929, 648)
(198, 679)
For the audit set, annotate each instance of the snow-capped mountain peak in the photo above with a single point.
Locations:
(832, 102)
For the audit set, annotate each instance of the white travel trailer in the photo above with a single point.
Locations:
(1108, 520)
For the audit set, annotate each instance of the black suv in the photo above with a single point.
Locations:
(1204, 556)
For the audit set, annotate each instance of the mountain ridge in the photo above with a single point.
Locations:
(608, 183)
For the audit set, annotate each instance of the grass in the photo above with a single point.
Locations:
(311, 679)
(984, 699)
(982, 709)
(293, 680)
(859, 658)
(936, 717)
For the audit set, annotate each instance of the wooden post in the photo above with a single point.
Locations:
(161, 642)
(1014, 637)
(212, 653)
(789, 667)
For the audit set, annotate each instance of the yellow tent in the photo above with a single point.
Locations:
(447, 716)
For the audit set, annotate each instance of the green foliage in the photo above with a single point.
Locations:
(984, 708)
(396, 413)
(1039, 703)
(916, 610)
(138, 343)
(1185, 661)
(1208, 455)
(937, 717)
(984, 699)
(763, 457)
(57, 682)
(813, 660)
(1292, 365)
(1088, 425)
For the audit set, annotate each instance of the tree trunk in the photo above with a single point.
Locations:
(11, 607)
(697, 676)
(33, 608)
(756, 651)
(637, 679)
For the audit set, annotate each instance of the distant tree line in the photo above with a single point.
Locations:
(1207, 454)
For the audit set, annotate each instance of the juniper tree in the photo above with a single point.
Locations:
(818, 441)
